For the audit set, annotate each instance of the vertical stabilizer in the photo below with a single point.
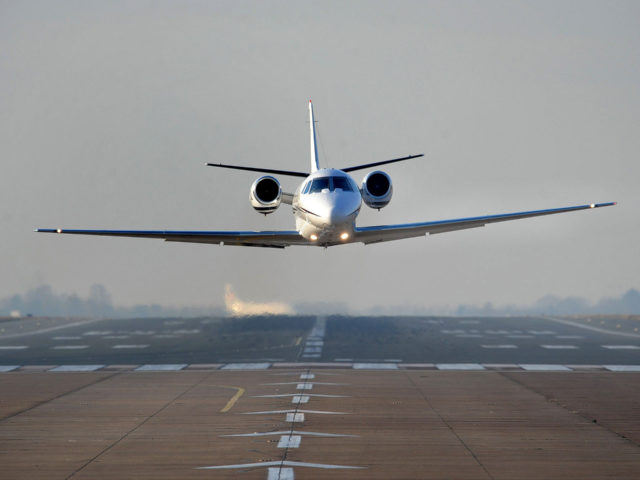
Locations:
(312, 133)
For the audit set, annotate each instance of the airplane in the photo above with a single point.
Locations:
(325, 206)
(237, 307)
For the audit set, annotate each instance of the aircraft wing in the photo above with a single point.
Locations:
(385, 233)
(272, 239)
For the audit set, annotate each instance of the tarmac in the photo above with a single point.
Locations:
(320, 417)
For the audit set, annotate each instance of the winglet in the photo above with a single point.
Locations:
(312, 134)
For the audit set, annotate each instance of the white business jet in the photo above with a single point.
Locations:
(325, 207)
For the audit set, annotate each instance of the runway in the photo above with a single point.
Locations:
(318, 397)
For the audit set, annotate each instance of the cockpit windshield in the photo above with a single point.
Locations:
(328, 183)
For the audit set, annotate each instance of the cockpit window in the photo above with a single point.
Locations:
(341, 183)
(319, 184)
(329, 183)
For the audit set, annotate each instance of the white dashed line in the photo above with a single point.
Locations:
(70, 347)
(559, 347)
(125, 347)
(459, 366)
(544, 368)
(161, 368)
(621, 347)
(67, 338)
(77, 368)
(280, 473)
(289, 441)
(294, 417)
(623, 368)
(569, 337)
(246, 366)
(506, 346)
(375, 366)
(519, 336)
(13, 347)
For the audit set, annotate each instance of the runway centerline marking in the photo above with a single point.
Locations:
(13, 347)
(240, 391)
(279, 473)
(289, 441)
(70, 347)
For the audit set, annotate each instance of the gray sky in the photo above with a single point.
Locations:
(110, 110)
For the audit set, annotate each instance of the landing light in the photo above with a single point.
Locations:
(313, 237)
(592, 205)
(344, 236)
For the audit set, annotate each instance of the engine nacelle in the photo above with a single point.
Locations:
(265, 194)
(377, 189)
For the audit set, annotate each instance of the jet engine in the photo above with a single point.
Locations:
(265, 194)
(377, 189)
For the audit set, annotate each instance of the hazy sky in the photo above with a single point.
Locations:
(110, 110)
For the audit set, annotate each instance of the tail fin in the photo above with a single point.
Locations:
(312, 133)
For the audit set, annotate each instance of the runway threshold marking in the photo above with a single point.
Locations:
(232, 401)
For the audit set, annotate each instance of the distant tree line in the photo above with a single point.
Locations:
(43, 301)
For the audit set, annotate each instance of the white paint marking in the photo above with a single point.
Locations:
(8, 368)
(459, 366)
(470, 322)
(67, 338)
(285, 463)
(304, 386)
(544, 368)
(375, 366)
(307, 376)
(569, 337)
(70, 347)
(311, 355)
(186, 332)
(519, 336)
(13, 347)
(161, 367)
(321, 412)
(623, 368)
(116, 337)
(594, 329)
(541, 332)
(313, 349)
(166, 335)
(500, 346)
(343, 359)
(559, 347)
(97, 333)
(120, 347)
(279, 473)
(246, 366)
(77, 368)
(469, 335)
(282, 395)
(291, 432)
(300, 399)
(294, 417)
(289, 441)
(621, 347)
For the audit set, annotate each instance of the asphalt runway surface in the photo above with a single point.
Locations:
(601, 341)
(283, 398)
